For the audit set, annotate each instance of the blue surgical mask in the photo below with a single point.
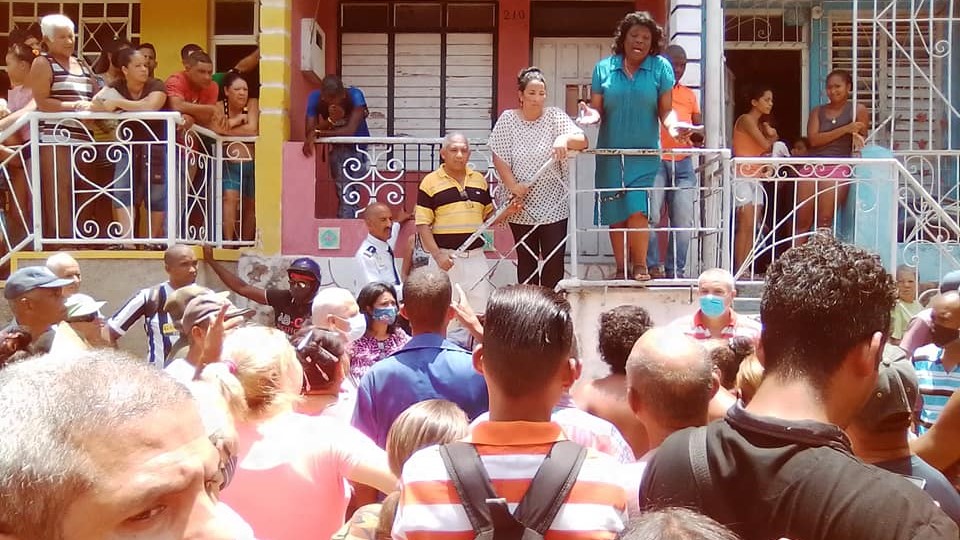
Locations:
(385, 314)
(712, 306)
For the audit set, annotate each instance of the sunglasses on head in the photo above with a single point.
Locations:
(83, 318)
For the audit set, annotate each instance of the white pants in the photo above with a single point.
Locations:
(470, 272)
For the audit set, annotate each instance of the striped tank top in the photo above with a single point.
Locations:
(67, 86)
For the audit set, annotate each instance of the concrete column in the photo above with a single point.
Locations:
(513, 49)
(275, 62)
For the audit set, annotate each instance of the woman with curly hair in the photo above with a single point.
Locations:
(620, 328)
(630, 96)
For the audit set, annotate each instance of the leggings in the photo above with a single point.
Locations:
(542, 242)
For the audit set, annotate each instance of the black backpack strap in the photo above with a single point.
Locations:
(471, 481)
(698, 464)
(551, 486)
(712, 503)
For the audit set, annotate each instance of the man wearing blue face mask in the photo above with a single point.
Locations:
(715, 319)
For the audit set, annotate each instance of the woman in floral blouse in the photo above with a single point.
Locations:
(378, 302)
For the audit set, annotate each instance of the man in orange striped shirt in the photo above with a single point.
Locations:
(526, 360)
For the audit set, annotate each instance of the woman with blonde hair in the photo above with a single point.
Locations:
(292, 468)
(423, 424)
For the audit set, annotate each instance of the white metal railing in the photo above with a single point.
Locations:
(877, 203)
(889, 205)
(82, 177)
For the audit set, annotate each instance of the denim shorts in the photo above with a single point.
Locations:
(238, 176)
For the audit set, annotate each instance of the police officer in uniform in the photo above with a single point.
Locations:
(375, 255)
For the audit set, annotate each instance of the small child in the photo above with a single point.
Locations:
(801, 147)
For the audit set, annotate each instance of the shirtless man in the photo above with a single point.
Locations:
(620, 328)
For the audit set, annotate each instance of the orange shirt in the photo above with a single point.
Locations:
(744, 145)
(685, 105)
(431, 509)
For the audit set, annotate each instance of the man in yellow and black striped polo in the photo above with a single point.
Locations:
(452, 203)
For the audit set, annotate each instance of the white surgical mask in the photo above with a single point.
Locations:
(358, 326)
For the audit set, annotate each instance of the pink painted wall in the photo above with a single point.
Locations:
(299, 227)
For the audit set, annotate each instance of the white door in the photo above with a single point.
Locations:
(567, 65)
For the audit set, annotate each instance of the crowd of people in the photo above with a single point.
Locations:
(47, 75)
(372, 408)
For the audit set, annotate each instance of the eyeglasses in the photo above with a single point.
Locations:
(84, 318)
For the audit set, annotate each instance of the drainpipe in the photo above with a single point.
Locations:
(713, 74)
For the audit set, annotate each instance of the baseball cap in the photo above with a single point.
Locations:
(950, 281)
(201, 308)
(895, 396)
(27, 279)
(79, 304)
(177, 302)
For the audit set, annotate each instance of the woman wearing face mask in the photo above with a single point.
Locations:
(378, 304)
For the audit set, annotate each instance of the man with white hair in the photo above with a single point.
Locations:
(715, 318)
(64, 266)
(452, 203)
(336, 309)
(103, 446)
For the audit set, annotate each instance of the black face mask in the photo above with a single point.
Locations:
(943, 336)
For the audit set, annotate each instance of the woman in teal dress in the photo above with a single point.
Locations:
(631, 95)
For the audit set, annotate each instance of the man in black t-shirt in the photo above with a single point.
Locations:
(291, 307)
(782, 467)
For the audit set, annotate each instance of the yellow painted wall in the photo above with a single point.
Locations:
(171, 24)
(275, 60)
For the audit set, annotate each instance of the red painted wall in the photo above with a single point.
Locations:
(300, 83)
(513, 49)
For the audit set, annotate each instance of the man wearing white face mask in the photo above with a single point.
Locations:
(335, 309)
(716, 318)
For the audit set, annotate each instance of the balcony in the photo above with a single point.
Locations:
(902, 207)
(122, 181)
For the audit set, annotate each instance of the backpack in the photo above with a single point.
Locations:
(489, 515)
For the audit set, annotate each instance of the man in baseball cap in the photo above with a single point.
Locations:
(200, 312)
(35, 296)
(85, 321)
(291, 307)
(879, 433)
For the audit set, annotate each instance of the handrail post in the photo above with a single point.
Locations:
(36, 210)
(173, 181)
(574, 246)
(217, 192)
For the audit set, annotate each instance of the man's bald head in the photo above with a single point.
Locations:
(332, 302)
(379, 220)
(946, 309)
(174, 252)
(670, 377)
(64, 266)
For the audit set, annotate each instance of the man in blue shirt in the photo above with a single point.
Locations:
(337, 111)
(427, 367)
